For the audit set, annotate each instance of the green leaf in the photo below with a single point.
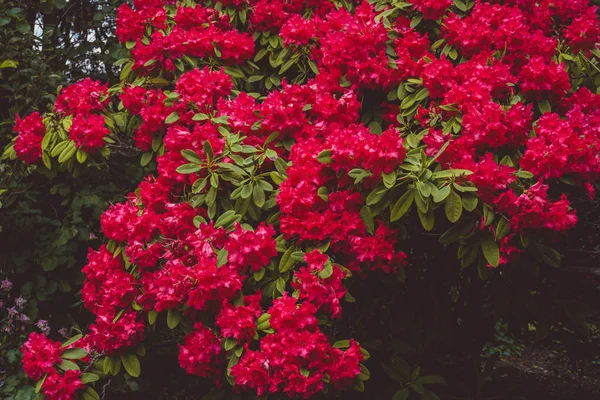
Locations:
(191, 156)
(402, 205)
(81, 156)
(67, 153)
(324, 157)
(172, 118)
(441, 194)
(439, 153)
(490, 250)
(90, 394)
(71, 341)
(258, 196)
(367, 218)
(88, 377)
(546, 254)
(577, 312)
(453, 207)
(326, 271)
(40, 383)
(188, 168)
(286, 262)
(456, 232)
(227, 218)
(152, 315)
(131, 364)
(23, 26)
(544, 106)
(146, 158)
(401, 394)
(235, 72)
(313, 66)
(364, 374)
(200, 117)
(342, 344)
(67, 365)
(448, 173)
(280, 285)
(74, 354)
(208, 151)
(470, 202)
(524, 174)
(389, 180)
(173, 318)
(502, 229)
(427, 219)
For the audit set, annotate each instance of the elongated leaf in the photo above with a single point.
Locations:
(402, 205)
(172, 118)
(74, 354)
(427, 219)
(490, 250)
(72, 340)
(131, 364)
(89, 377)
(502, 229)
(401, 394)
(173, 318)
(90, 394)
(453, 207)
(188, 168)
(286, 262)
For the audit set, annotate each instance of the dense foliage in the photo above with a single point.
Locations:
(327, 179)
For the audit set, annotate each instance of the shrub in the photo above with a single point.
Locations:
(310, 156)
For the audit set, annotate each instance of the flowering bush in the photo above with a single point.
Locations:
(298, 146)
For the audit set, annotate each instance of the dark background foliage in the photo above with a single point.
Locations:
(48, 220)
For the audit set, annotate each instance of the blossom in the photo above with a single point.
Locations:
(240, 322)
(40, 354)
(83, 97)
(88, 131)
(62, 387)
(31, 131)
(201, 354)
(252, 249)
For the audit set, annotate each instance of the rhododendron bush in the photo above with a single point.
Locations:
(303, 154)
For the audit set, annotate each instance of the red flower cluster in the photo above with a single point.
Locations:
(62, 387)
(40, 358)
(201, 354)
(295, 359)
(31, 131)
(39, 355)
(84, 100)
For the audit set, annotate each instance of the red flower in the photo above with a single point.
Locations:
(201, 354)
(62, 387)
(39, 355)
(31, 131)
(88, 131)
(84, 97)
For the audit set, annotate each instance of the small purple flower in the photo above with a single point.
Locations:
(12, 311)
(43, 326)
(63, 332)
(6, 285)
(24, 318)
(20, 302)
